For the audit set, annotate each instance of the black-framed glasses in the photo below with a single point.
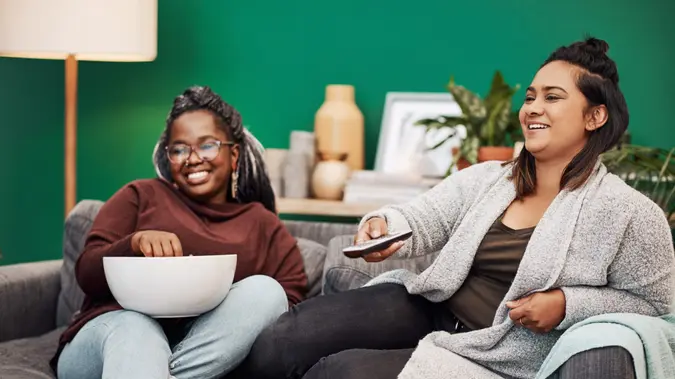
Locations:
(206, 151)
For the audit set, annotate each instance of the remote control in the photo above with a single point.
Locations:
(377, 244)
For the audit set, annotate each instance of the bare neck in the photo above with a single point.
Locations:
(549, 174)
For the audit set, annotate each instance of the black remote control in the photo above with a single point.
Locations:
(377, 244)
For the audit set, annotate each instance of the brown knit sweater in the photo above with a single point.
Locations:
(262, 244)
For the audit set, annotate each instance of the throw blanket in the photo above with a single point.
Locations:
(650, 340)
(607, 246)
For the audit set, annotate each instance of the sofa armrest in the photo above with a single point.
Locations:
(28, 296)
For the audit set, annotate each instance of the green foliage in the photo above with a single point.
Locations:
(488, 122)
(650, 170)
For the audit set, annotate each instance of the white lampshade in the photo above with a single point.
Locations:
(91, 30)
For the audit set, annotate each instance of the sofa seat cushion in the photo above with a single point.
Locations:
(28, 358)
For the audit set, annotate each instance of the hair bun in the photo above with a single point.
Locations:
(589, 54)
(600, 63)
(596, 45)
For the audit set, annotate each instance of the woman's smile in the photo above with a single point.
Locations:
(199, 177)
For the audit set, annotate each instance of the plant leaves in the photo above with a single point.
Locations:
(650, 170)
(488, 122)
(439, 144)
(498, 90)
(471, 104)
(494, 130)
(442, 122)
(469, 149)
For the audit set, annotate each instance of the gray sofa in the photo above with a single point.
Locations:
(38, 299)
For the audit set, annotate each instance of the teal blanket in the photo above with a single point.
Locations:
(650, 340)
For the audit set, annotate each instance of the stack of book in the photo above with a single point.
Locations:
(381, 188)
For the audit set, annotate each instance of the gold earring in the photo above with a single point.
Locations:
(233, 181)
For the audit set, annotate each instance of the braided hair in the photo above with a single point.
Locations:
(253, 183)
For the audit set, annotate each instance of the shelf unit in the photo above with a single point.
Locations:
(331, 208)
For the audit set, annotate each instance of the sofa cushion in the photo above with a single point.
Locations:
(313, 257)
(28, 358)
(76, 228)
(340, 273)
(321, 232)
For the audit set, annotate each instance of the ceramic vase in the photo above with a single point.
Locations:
(338, 125)
(296, 175)
(330, 176)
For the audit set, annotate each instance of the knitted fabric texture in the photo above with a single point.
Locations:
(607, 246)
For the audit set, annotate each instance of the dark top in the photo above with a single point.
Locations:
(494, 267)
(261, 242)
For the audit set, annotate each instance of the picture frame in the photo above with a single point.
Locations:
(404, 148)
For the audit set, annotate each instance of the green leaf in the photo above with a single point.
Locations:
(650, 170)
(469, 149)
(498, 89)
(471, 104)
(487, 132)
(498, 82)
(514, 122)
(442, 122)
(494, 128)
(663, 172)
(439, 144)
(670, 203)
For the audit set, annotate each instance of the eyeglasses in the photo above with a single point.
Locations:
(206, 151)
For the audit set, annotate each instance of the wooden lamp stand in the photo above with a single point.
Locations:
(70, 151)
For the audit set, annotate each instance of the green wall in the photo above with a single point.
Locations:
(272, 59)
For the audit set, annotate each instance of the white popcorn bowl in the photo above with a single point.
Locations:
(170, 287)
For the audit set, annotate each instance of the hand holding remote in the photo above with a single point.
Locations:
(374, 228)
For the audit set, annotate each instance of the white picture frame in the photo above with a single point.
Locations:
(402, 147)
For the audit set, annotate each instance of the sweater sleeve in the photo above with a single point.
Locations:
(284, 263)
(433, 215)
(640, 279)
(110, 236)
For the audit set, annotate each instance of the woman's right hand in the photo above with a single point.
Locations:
(155, 243)
(374, 228)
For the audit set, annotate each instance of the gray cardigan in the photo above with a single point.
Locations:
(607, 246)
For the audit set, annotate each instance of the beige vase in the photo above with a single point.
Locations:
(338, 125)
(330, 177)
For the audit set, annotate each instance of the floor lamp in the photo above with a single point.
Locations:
(78, 30)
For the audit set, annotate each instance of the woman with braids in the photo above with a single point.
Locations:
(526, 249)
(213, 197)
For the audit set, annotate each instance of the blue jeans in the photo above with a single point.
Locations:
(128, 345)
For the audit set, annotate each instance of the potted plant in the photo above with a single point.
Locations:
(490, 123)
(650, 170)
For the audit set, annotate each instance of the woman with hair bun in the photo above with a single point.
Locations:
(526, 249)
(213, 197)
